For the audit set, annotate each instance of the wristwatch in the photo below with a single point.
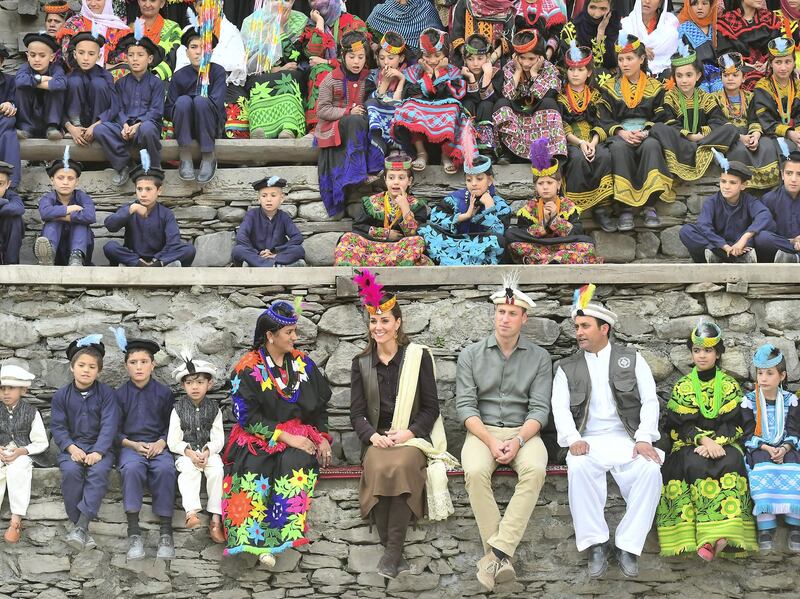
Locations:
(37, 78)
(521, 441)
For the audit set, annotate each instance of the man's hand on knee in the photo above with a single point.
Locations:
(579, 448)
(647, 451)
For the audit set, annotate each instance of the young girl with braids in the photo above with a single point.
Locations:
(384, 90)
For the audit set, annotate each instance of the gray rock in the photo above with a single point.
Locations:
(195, 213)
(736, 361)
(676, 329)
(319, 248)
(417, 316)
(337, 370)
(98, 256)
(424, 581)
(31, 569)
(615, 247)
(15, 332)
(332, 576)
(151, 588)
(87, 564)
(315, 211)
(725, 304)
(111, 303)
(56, 327)
(780, 314)
(541, 331)
(52, 594)
(229, 214)
(695, 203)
(647, 244)
(214, 249)
(633, 326)
(742, 323)
(674, 209)
(677, 303)
(306, 330)
(660, 365)
(457, 324)
(313, 561)
(344, 319)
(363, 558)
(671, 244)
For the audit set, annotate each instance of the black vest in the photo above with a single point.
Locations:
(16, 425)
(196, 421)
(621, 377)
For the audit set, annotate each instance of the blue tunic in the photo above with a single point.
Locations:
(91, 96)
(11, 227)
(66, 237)
(144, 413)
(38, 109)
(9, 144)
(258, 232)
(195, 117)
(786, 212)
(155, 236)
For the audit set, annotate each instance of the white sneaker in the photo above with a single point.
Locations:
(782, 257)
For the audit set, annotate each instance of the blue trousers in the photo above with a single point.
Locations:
(160, 475)
(694, 240)
(9, 147)
(38, 109)
(68, 237)
(117, 150)
(87, 100)
(83, 487)
(11, 231)
(119, 254)
(288, 256)
(195, 119)
(768, 243)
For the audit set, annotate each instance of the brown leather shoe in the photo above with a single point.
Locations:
(192, 521)
(216, 532)
(12, 534)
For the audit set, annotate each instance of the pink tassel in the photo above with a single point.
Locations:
(468, 146)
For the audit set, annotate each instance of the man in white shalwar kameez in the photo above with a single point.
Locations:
(606, 409)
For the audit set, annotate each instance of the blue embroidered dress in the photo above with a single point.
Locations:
(775, 488)
(476, 241)
(702, 44)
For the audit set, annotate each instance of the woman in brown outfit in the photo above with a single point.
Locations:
(392, 382)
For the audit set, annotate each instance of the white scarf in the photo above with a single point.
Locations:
(440, 505)
(664, 39)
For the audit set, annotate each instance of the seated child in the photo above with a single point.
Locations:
(267, 236)
(595, 27)
(11, 212)
(771, 422)
(144, 408)
(587, 172)
(9, 144)
(467, 227)
(483, 80)
(195, 117)
(737, 106)
(152, 237)
(694, 121)
(196, 436)
(384, 90)
(698, 23)
(41, 90)
(528, 109)
(548, 229)
(67, 215)
(729, 220)
(84, 420)
(783, 244)
(432, 109)
(141, 107)
(385, 232)
(91, 97)
(346, 156)
(22, 435)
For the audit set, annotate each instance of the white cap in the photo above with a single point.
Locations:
(12, 375)
(194, 367)
(510, 293)
(596, 310)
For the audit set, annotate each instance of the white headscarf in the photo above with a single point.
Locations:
(664, 39)
(105, 20)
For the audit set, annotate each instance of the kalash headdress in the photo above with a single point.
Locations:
(429, 47)
(626, 43)
(138, 38)
(372, 292)
(577, 56)
(146, 169)
(780, 46)
(523, 47)
(357, 41)
(189, 366)
(59, 7)
(683, 56)
(706, 334)
(469, 50)
(281, 321)
(389, 47)
(397, 162)
(730, 63)
(732, 166)
(94, 341)
(510, 293)
(582, 305)
(767, 356)
(543, 164)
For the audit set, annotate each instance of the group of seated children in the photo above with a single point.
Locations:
(152, 439)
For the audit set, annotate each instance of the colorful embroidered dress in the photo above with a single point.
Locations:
(704, 500)
(268, 486)
(702, 43)
(775, 488)
(586, 183)
(476, 241)
(529, 111)
(535, 240)
(689, 160)
(369, 245)
(749, 38)
(167, 35)
(78, 23)
(380, 111)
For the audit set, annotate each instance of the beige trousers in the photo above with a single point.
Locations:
(16, 476)
(189, 479)
(530, 464)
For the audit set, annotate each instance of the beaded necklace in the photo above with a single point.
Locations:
(633, 97)
(578, 101)
(389, 212)
(277, 382)
(786, 115)
(685, 111)
(712, 411)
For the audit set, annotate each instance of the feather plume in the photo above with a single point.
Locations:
(784, 148)
(65, 159)
(781, 44)
(766, 354)
(540, 155)
(119, 336)
(95, 30)
(727, 61)
(192, 18)
(583, 296)
(511, 282)
(138, 29)
(721, 160)
(574, 52)
(622, 41)
(683, 49)
(90, 340)
(298, 304)
(369, 289)
(468, 147)
(144, 155)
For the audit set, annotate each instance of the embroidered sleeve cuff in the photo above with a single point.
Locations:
(613, 129)
(600, 134)
(473, 87)
(781, 130)
(685, 132)
(705, 129)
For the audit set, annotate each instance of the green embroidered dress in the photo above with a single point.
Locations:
(704, 500)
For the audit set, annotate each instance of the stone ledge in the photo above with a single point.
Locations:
(600, 274)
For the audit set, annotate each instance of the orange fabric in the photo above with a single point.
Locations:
(687, 14)
(757, 410)
(540, 208)
(154, 32)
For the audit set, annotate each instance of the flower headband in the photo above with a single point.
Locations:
(425, 42)
(371, 293)
(390, 48)
(523, 48)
